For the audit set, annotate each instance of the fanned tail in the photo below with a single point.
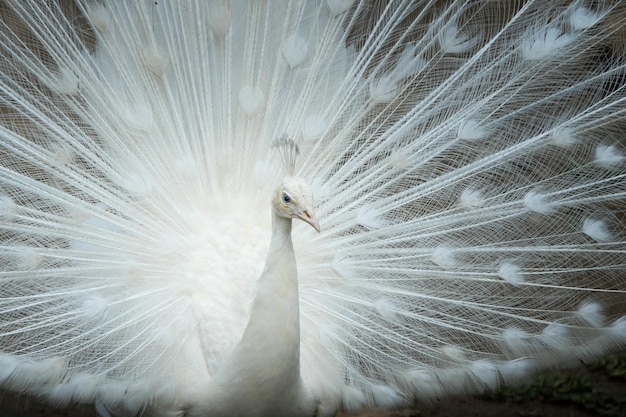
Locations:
(473, 201)
(468, 163)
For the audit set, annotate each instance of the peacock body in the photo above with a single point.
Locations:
(466, 158)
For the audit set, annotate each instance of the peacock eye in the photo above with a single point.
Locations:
(286, 198)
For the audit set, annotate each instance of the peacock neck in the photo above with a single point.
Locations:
(281, 238)
(265, 366)
(275, 310)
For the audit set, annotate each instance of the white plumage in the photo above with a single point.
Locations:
(467, 161)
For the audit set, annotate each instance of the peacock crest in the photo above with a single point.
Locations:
(289, 151)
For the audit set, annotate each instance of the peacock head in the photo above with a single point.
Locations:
(294, 200)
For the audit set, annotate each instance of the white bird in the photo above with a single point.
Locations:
(468, 165)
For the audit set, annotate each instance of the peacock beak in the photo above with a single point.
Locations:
(309, 217)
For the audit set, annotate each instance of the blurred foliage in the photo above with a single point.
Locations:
(614, 366)
(588, 390)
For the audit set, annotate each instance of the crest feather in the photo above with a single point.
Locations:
(289, 152)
